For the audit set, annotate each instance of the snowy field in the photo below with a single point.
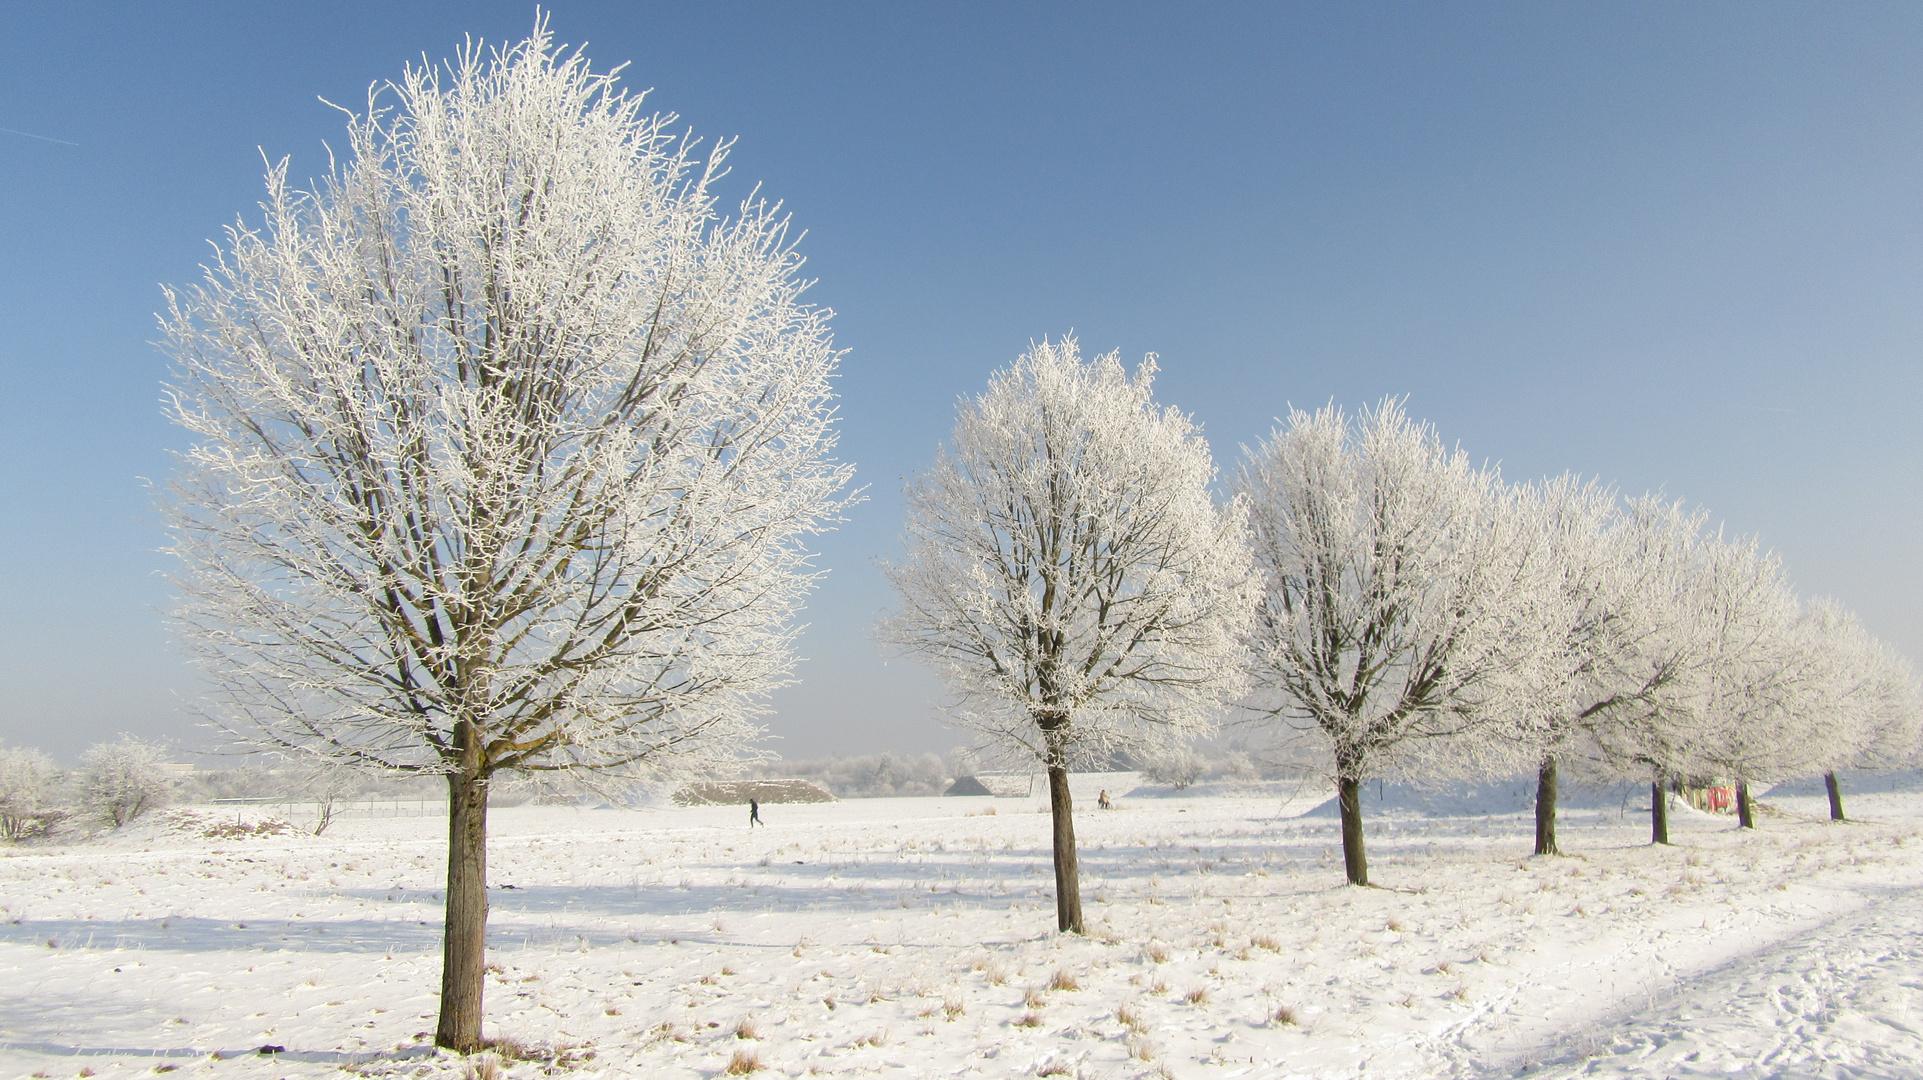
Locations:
(913, 937)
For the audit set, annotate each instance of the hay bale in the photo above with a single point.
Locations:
(738, 792)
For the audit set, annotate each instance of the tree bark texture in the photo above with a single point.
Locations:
(1836, 796)
(464, 939)
(1745, 811)
(1068, 887)
(1354, 858)
(1546, 807)
(1658, 811)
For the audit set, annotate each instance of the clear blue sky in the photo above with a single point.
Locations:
(1676, 246)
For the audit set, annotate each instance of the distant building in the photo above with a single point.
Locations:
(1008, 785)
(967, 785)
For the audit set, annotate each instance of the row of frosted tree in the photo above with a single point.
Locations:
(1394, 608)
(1423, 618)
(507, 446)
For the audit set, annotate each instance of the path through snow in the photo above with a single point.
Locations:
(1842, 1000)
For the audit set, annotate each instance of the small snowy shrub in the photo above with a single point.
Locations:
(26, 776)
(119, 781)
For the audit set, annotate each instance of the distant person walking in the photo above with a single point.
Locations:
(754, 814)
(1106, 805)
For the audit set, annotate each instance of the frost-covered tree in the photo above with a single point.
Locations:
(1068, 574)
(1756, 684)
(121, 780)
(1866, 691)
(1622, 647)
(1178, 767)
(26, 781)
(1410, 602)
(505, 450)
(1723, 712)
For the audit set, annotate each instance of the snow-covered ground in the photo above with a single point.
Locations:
(913, 937)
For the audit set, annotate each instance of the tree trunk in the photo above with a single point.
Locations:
(1836, 796)
(1354, 858)
(1658, 810)
(464, 939)
(1068, 886)
(1745, 817)
(1546, 807)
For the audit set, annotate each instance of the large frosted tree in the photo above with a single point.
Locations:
(505, 447)
(1069, 575)
(1411, 606)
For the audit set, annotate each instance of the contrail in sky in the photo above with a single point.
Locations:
(42, 138)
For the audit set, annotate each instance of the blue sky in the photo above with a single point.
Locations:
(1679, 247)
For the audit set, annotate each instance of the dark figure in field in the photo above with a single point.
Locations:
(1103, 801)
(754, 814)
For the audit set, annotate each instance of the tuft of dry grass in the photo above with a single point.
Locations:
(1063, 979)
(1285, 1015)
(746, 1029)
(1131, 1020)
(515, 1050)
(1197, 996)
(664, 1032)
(1029, 1020)
(952, 1009)
(1033, 998)
(1156, 952)
(876, 1038)
(1140, 1049)
(744, 1062)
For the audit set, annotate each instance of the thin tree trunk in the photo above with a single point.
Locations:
(1354, 858)
(1068, 886)
(1745, 816)
(1546, 807)
(464, 940)
(1836, 796)
(1658, 810)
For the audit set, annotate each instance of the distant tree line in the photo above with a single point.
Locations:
(869, 776)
